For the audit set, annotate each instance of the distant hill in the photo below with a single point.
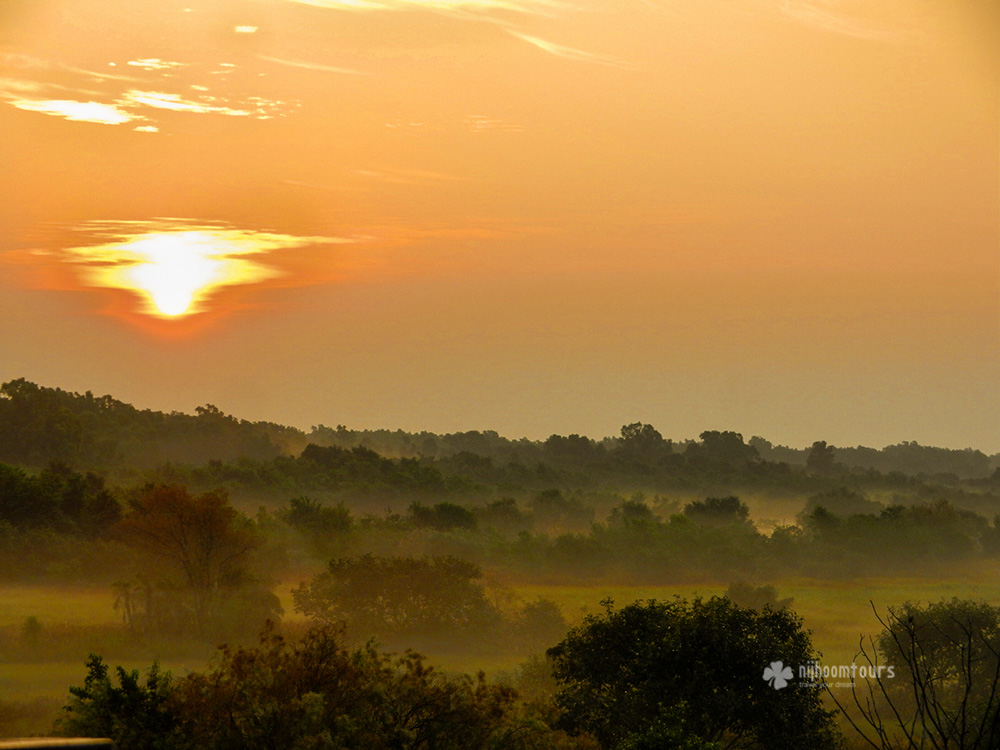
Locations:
(39, 425)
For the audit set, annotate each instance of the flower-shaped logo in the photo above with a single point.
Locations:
(778, 675)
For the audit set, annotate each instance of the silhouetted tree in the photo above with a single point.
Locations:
(716, 511)
(821, 458)
(202, 540)
(392, 595)
(936, 679)
(657, 674)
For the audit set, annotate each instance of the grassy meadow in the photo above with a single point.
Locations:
(36, 671)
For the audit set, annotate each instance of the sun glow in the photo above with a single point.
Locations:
(175, 272)
(174, 268)
(177, 269)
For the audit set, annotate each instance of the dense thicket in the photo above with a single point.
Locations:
(313, 693)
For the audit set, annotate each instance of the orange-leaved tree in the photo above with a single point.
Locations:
(196, 546)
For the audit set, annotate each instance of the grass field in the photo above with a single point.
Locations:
(837, 613)
(54, 605)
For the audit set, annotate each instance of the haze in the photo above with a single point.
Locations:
(533, 216)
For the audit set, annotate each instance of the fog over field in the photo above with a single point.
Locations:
(526, 374)
(137, 538)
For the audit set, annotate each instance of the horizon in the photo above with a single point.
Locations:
(533, 217)
(513, 438)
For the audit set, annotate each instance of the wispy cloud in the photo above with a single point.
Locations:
(517, 6)
(823, 15)
(75, 111)
(176, 103)
(132, 105)
(28, 63)
(406, 176)
(310, 65)
(482, 123)
(569, 53)
(154, 63)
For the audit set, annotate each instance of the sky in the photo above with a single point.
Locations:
(779, 217)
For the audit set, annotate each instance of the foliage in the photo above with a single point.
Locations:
(629, 676)
(313, 694)
(503, 515)
(199, 549)
(716, 511)
(39, 425)
(443, 517)
(821, 458)
(936, 678)
(57, 498)
(135, 712)
(323, 526)
(392, 595)
(843, 502)
(551, 507)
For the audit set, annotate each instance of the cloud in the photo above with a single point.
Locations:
(175, 103)
(481, 6)
(482, 123)
(406, 176)
(80, 104)
(154, 63)
(310, 65)
(820, 16)
(105, 114)
(569, 53)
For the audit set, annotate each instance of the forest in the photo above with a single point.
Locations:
(181, 580)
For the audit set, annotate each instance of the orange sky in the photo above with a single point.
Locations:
(780, 217)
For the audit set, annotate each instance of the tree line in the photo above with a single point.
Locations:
(40, 424)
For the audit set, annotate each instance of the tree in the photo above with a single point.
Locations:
(718, 511)
(821, 458)
(843, 502)
(933, 679)
(639, 676)
(718, 449)
(200, 544)
(643, 441)
(391, 595)
(135, 712)
(442, 517)
(552, 507)
(325, 528)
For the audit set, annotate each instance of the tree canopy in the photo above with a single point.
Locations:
(637, 676)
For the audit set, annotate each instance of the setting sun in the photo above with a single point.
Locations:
(179, 268)
(174, 272)
(175, 268)
(540, 216)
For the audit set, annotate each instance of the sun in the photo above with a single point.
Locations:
(172, 268)
(177, 269)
